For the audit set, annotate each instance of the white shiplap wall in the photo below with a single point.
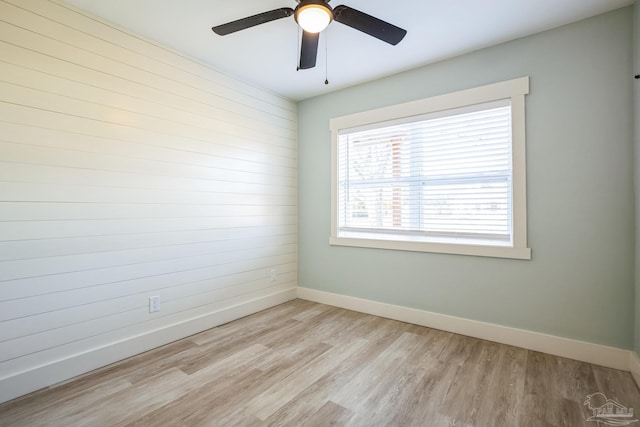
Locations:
(126, 171)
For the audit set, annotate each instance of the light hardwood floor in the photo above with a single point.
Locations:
(307, 364)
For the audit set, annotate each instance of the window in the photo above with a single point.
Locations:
(443, 174)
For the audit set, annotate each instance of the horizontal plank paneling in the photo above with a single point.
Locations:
(66, 316)
(55, 67)
(95, 284)
(133, 67)
(234, 170)
(179, 240)
(199, 129)
(148, 154)
(133, 123)
(147, 48)
(206, 116)
(16, 230)
(12, 270)
(128, 170)
(232, 147)
(25, 211)
(125, 314)
(131, 330)
(27, 192)
(102, 178)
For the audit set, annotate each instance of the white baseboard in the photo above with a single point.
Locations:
(583, 351)
(34, 379)
(634, 366)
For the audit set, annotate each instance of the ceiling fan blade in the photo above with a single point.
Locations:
(309, 50)
(368, 24)
(252, 21)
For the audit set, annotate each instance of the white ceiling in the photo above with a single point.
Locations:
(266, 55)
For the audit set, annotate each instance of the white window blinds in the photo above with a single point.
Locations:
(445, 175)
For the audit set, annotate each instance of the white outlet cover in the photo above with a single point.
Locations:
(154, 304)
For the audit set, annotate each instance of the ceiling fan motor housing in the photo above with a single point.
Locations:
(310, 13)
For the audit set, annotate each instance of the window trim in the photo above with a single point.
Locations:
(514, 90)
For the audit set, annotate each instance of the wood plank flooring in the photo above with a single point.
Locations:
(307, 364)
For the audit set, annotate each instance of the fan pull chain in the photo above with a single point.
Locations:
(326, 57)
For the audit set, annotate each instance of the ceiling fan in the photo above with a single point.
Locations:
(313, 16)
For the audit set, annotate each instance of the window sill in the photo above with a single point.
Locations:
(443, 248)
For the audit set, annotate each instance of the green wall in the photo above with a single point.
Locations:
(580, 282)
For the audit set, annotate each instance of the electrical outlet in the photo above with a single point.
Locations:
(154, 304)
(274, 274)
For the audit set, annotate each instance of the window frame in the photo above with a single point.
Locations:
(512, 90)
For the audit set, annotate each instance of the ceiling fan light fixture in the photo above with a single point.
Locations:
(313, 17)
